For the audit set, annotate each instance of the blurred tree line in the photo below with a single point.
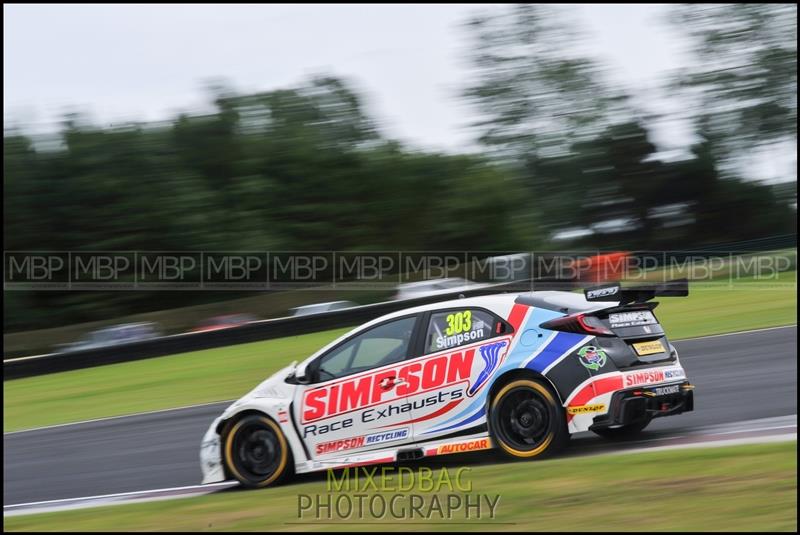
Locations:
(301, 169)
(582, 148)
(306, 168)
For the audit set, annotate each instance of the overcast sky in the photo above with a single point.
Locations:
(146, 62)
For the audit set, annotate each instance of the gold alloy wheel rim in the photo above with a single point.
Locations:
(229, 452)
(545, 394)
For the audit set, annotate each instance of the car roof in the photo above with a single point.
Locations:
(431, 282)
(487, 301)
(566, 302)
(315, 305)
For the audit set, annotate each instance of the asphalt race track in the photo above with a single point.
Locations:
(739, 377)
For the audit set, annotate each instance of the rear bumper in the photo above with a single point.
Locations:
(636, 404)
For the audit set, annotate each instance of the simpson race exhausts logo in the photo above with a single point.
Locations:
(416, 377)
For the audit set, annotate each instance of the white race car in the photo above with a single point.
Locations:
(518, 372)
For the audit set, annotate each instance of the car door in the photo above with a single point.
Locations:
(461, 350)
(354, 403)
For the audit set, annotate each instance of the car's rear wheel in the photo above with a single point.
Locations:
(256, 452)
(527, 421)
(624, 432)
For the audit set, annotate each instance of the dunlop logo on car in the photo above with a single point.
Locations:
(583, 409)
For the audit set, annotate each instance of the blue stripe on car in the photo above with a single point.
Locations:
(513, 360)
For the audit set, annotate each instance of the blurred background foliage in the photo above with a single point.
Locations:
(306, 168)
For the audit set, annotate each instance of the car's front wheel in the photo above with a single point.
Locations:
(256, 452)
(527, 421)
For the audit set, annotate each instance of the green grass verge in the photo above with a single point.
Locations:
(227, 373)
(151, 384)
(738, 488)
(722, 307)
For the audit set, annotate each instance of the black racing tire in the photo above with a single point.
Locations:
(527, 421)
(624, 432)
(255, 451)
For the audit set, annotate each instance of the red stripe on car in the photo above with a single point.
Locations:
(517, 315)
(598, 387)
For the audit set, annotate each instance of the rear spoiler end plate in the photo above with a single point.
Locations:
(637, 294)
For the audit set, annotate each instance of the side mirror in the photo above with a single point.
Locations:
(300, 375)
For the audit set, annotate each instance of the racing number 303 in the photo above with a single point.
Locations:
(459, 322)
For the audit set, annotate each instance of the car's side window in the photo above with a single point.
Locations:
(458, 327)
(385, 344)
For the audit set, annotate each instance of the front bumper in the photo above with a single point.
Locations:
(636, 404)
(211, 456)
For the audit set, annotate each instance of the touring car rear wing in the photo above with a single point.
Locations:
(637, 294)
